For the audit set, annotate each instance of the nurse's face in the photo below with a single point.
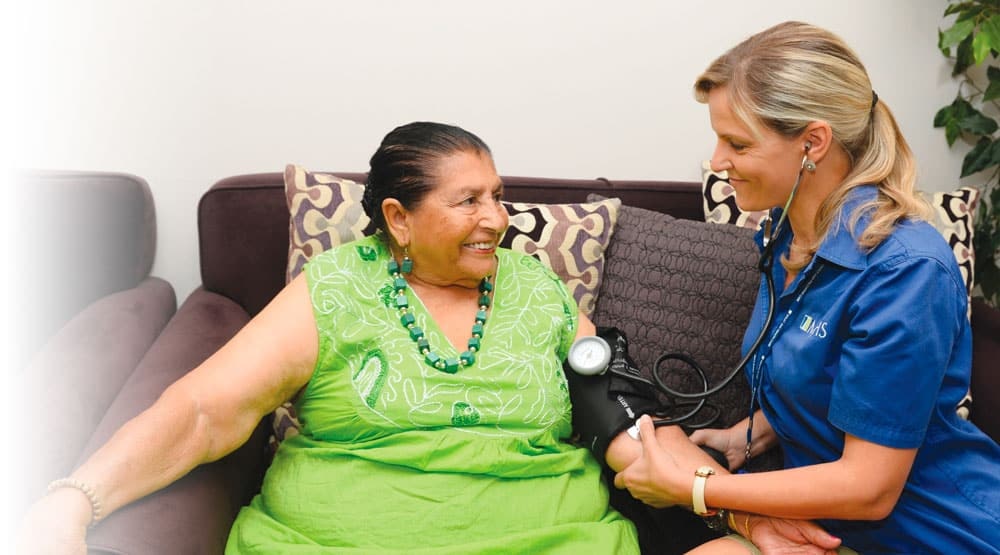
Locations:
(762, 169)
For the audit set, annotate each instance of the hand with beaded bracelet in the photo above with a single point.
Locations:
(58, 522)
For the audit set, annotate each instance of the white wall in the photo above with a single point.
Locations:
(184, 93)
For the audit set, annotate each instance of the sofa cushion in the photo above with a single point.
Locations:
(324, 211)
(569, 238)
(953, 213)
(687, 287)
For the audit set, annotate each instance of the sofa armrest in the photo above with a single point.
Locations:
(103, 226)
(985, 411)
(194, 514)
(78, 372)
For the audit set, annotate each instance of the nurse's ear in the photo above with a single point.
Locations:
(817, 139)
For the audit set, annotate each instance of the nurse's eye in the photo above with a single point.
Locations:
(738, 147)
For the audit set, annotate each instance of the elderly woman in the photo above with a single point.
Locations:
(858, 374)
(426, 368)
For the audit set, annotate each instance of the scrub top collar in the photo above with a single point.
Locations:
(839, 246)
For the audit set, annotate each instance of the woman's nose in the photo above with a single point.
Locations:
(719, 163)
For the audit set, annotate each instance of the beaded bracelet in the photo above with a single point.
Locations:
(95, 502)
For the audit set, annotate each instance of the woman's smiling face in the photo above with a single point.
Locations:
(762, 168)
(455, 228)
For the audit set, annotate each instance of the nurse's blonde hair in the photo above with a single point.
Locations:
(793, 74)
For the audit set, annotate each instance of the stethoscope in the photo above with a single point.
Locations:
(584, 361)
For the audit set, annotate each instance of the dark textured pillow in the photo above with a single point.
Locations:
(682, 286)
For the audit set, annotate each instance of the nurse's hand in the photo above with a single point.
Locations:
(731, 442)
(656, 478)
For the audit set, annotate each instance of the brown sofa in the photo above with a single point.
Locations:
(669, 284)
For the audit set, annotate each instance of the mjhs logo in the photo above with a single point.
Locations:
(813, 327)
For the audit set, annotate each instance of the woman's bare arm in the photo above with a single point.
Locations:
(206, 414)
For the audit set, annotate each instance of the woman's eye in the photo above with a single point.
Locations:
(468, 202)
(737, 146)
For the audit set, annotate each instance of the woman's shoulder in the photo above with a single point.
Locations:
(363, 259)
(913, 238)
(365, 249)
(525, 265)
(914, 244)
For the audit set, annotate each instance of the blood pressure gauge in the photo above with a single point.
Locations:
(589, 355)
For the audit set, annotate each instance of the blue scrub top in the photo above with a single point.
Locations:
(880, 347)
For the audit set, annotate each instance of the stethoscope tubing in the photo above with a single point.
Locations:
(765, 265)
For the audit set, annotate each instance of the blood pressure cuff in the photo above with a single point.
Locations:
(605, 405)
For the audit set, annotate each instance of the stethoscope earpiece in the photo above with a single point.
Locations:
(808, 164)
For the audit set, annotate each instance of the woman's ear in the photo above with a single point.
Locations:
(818, 135)
(396, 221)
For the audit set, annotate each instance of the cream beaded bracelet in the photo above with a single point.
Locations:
(95, 502)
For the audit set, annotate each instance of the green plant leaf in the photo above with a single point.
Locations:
(979, 158)
(980, 47)
(951, 132)
(978, 124)
(960, 116)
(959, 7)
(971, 120)
(989, 33)
(993, 89)
(944, 49)
(956, 33)
(963, 56)
(944, 115)
(969, 11)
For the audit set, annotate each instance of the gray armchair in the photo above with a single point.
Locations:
(83, 309)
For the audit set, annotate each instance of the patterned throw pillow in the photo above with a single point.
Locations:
(719, 201)
(324, 211)
(568, 238)
(953, 215)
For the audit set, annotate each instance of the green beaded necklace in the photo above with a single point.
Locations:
(449, 365)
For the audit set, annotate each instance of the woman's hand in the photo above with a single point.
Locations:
(783, 535)
(56, 524)
(655, 477)
(731, 442)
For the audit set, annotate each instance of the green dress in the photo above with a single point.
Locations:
(395, 456)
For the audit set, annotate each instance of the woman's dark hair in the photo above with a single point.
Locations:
(403, 167)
